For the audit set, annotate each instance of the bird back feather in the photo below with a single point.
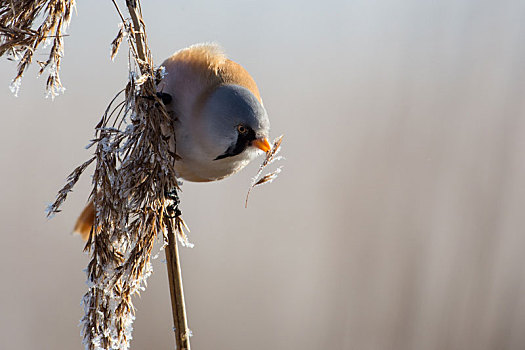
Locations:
(200, 68)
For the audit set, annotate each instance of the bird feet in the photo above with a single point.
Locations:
(172, 209)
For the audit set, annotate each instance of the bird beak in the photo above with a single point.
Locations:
(262, 144)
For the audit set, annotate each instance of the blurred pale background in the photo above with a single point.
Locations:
(397, 223)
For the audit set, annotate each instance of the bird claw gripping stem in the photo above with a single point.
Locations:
(172, 209)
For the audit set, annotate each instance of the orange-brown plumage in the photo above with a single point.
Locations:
(203, 67)
(85, 221)
(206, 125)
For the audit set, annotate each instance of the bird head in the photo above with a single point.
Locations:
(233, 125)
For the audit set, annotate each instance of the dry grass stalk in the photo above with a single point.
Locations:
(134, 193)
(21, 36)
(271, 156)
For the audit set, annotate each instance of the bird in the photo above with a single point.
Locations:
(218, 115)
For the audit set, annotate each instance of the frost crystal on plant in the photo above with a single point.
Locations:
(15, 86)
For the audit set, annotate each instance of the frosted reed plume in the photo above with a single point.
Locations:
(25, 26)
(134, 194)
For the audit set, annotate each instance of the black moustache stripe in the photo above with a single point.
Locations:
(243, 141)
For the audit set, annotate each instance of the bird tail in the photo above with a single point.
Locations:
(85, 221)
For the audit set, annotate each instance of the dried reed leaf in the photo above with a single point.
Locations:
(115, 44)
(62, 194)
(271, 156)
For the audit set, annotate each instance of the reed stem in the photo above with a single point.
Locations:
(178, 308)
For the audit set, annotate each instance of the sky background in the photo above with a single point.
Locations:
(397, 222)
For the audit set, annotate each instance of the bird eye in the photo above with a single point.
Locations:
(242, 129)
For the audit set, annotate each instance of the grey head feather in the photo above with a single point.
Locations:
(225, 109)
